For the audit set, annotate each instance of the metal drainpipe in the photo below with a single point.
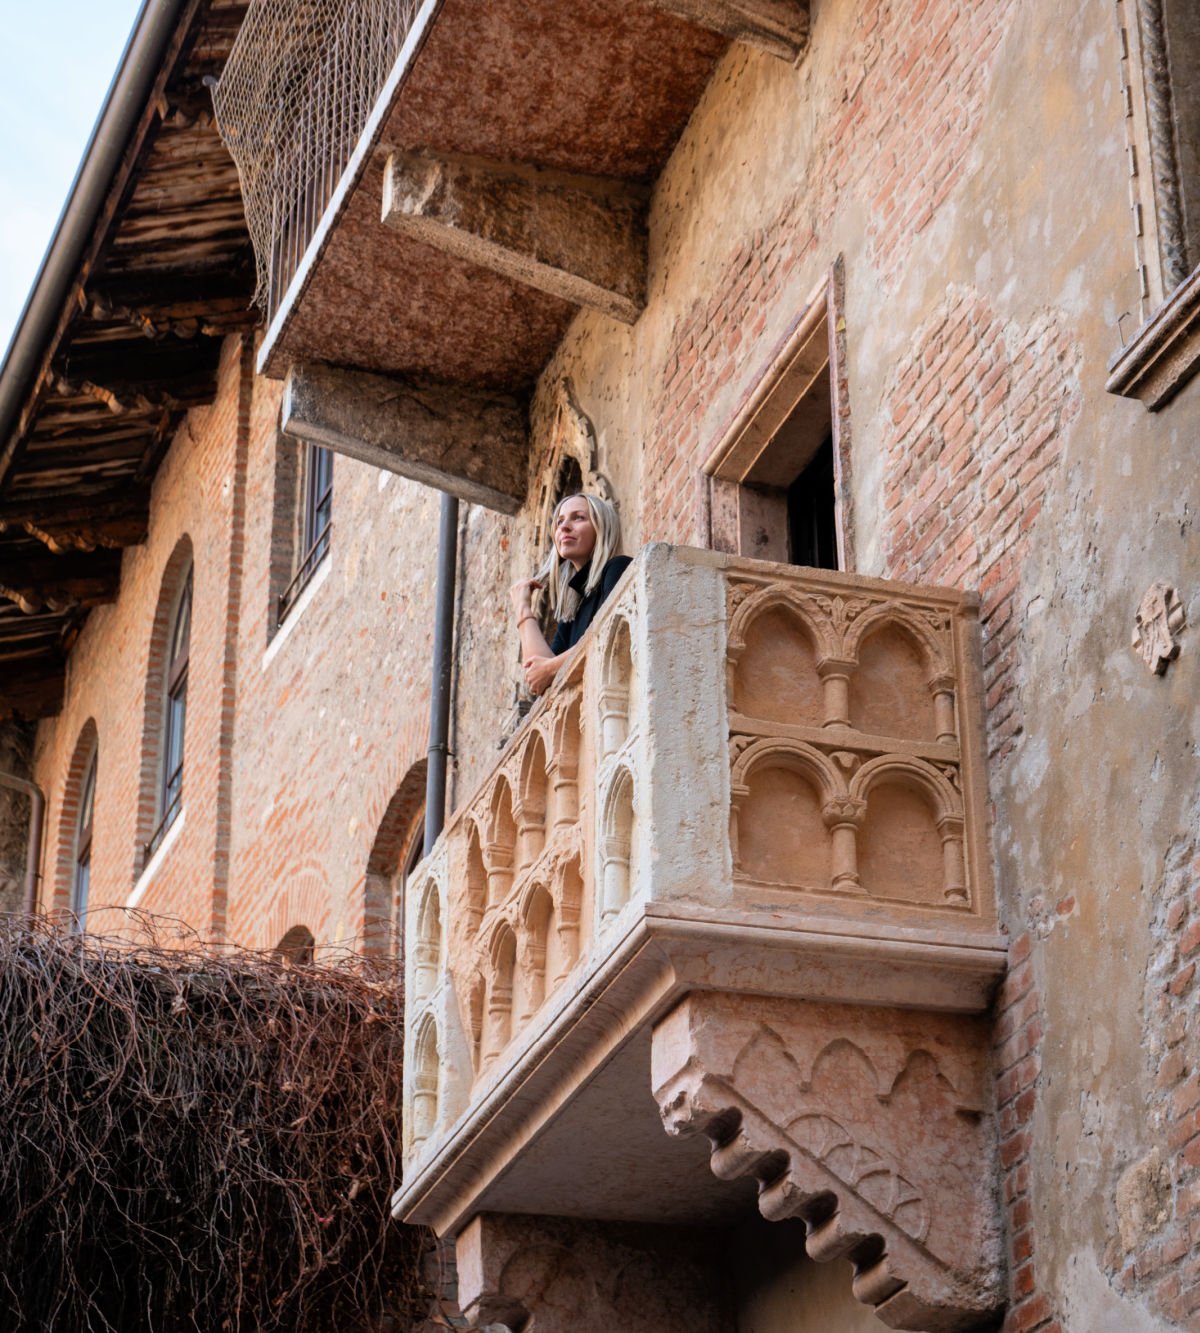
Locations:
(33, 858)
(443, 665)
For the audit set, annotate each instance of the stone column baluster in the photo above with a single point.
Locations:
(843, 817)
(499, 859)
(835, 678)
(955, 879)
(942, 688)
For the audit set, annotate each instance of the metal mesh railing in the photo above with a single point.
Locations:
(291, 105)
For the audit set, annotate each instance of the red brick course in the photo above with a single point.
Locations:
(1017, 1058)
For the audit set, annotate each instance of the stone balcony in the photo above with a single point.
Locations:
(732, 879)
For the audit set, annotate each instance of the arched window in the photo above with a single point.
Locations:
(82, 874)
(170, 791)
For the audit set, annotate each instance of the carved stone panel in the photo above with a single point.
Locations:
(1156, 627)
(560, 1275)
(869, 1124)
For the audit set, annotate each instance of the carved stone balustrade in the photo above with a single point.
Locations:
(742, 840)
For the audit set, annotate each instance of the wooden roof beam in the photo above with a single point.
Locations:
(60, 582)
(35, 689)
(469, 442)
(118, 401)
(779, 27)
(581, 238)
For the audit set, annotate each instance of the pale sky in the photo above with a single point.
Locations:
(56, 62)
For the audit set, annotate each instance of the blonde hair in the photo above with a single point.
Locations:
(555, 574)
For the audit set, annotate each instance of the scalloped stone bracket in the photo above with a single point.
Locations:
(870, 1124)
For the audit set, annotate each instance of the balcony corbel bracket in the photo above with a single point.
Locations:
(862, 1123)
(779, 27)
(469, 442)
(578, 238)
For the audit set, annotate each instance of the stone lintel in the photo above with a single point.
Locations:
(579, 238)
(1165, 352)
(469, 442)
(869, 1124)
(779, 27)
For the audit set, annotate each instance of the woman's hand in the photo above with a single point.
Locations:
(540, 673)
(521, 594)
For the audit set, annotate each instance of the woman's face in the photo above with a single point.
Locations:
(574, 534)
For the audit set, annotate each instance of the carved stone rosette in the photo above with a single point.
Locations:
(869, 1124)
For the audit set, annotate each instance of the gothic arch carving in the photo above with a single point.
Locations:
(882, 614)
(915, 772)
(617, 842)
(779, 597)
(617, 684)
(426, 1079)
(770, 752)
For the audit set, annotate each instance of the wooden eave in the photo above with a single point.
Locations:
(167, 274)
(598, 88)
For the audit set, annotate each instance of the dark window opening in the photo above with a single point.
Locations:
(317, 525)
(297, 946)
(811, 517)
(776, 478)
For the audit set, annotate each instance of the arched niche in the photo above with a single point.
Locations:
(428, 948)
(531, 831)
(475, 1002)
(564, 763)
(775, 676)
(890, 693)
(426, 1080)
(618, 844)
(782, 836)
(616, 688)
(476, 877)
(502, 842)
(569, 916)
(503, 966)
(900, 847)
(540, 949)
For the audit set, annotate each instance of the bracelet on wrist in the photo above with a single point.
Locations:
(529, 615)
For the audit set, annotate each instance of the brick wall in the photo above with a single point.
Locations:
(1018, 1064)
(896, 117)
(297, 741)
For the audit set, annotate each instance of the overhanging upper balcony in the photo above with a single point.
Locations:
(508, 145)
(752, 804)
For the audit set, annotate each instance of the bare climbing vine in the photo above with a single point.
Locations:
(198, 1140)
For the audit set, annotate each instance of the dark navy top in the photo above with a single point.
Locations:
(569, 632)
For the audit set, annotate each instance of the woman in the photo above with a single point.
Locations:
(583, 567)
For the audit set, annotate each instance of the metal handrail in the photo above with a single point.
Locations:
(308, 567)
